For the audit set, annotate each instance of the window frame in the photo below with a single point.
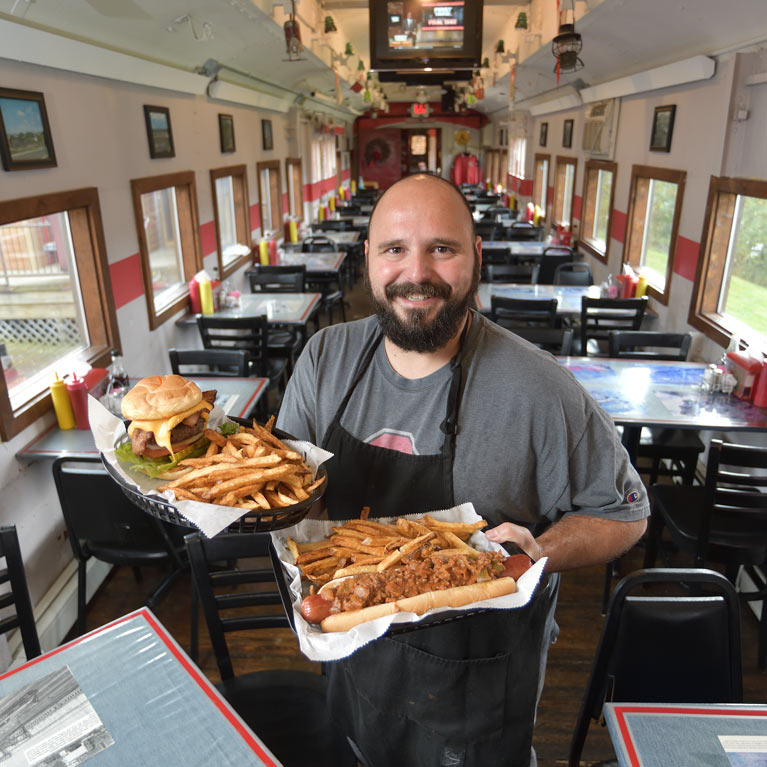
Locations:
(707, 287)
(671, 176)
(189, 226)
(241, 215)
(290, 163)
(270, 165)
(90, 252)
(596, 166)
(547, 158)
(562, 160)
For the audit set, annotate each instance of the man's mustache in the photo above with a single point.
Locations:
(420, 289)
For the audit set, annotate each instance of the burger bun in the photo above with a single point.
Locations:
(160, 397)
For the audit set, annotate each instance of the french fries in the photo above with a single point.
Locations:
(365, 546)
(251, 469)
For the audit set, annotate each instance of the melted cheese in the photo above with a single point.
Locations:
(161, 427)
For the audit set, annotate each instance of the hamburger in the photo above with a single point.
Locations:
(168, 417)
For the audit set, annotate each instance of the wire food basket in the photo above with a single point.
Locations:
(252, 521)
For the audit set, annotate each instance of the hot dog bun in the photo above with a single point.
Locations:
(458, 596)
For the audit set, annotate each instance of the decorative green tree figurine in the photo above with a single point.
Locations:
(521, 21)
(349, 51)
(330, 25)
(500, 47)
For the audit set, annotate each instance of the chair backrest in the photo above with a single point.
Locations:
(217, 363)
(601, 315)
(333, 225)
(250, 334)
(99, 517)
(523, 230)
(667, 648)
(318, 243)
(496, 254)
(626, 343)
(489, 230)
(229, 548)
(558, 341)
(497, 212)
(520, 273)
(17, 598)
(733, 489)
(552, 258)
(277, 279)
(519, 312)
(573, 273)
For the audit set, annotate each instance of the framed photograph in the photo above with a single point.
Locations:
(544, 134)
(226, 133)
(25, 135)
(662, 128)
(567, 134)
(159, 132)
(266, 134)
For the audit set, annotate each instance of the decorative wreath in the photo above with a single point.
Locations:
(462, 137)
(377, 152)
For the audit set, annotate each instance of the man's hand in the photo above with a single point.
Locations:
(575, 541)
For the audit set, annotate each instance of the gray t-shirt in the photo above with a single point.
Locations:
(531, 443)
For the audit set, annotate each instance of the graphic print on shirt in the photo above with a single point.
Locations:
(392, 439)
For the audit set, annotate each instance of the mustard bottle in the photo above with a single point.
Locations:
(62, 404)
(206, 297)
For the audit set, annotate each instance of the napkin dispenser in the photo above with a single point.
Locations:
(745, 369)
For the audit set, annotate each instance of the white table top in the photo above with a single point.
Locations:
(568, 296)
(314, 262)
(279, 308)
(154, 705)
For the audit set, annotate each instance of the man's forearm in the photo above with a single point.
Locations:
(575, 541)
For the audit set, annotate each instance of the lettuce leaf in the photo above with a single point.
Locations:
(153, 467)
(229, 427)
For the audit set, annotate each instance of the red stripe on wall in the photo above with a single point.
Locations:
(686, 259)
(526, 187)
(208, 238)
(285, 204)
(127, 283)
(549, 195)
(314, 191)
(577, 207)
(255, 217)
(619, 226)
(346, 175)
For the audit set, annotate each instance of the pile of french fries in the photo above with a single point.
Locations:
(251, 469)
(365, 546)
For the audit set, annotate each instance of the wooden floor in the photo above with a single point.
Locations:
(570, 658)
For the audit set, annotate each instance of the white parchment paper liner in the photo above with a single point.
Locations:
(325, 647)
(210, 518)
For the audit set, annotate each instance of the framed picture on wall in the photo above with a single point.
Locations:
(25, 135)
(266, 134)
(159, 132)
(567, 134)
(543, 138)
(226, 133)
(662, 128)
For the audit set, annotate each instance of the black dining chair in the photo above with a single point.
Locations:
(552, 258)
(520, 273)
(15, 603)
(333, 225)
(328, 285)
(243, 596)
(498, 213)
(209, 363)
(680, 644)
(723, 521)
(249, 334)
(523, 230)
(557, 341)
(102, 523)
(512, 313)
(496, 254)
(573, 273)
(490, 230)
(599, 316)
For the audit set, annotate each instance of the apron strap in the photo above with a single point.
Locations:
(449, 427)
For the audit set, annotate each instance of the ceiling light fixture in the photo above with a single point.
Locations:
(568, 43)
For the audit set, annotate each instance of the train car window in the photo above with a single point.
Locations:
(597, 208)
(270, 196)
(655, 205)
(730, 290)
(293, 173)
(541, 181)
(58, 312)
(564, 186)
(168, 229)
(231, 211)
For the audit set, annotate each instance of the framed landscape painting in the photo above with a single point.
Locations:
(266, 134)
(662, 128)
(159, 132)
(25, 135)
(226, 133)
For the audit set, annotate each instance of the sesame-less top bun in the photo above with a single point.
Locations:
(160, 397)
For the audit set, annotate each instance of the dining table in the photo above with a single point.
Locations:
(517, 250)
(235, 396)
(124, 694)
(689, 734)
(355, 220)
(568, 296)
(324, 263)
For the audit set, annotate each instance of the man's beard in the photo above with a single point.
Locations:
(415, 333)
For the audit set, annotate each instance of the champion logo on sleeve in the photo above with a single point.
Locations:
(632, 497)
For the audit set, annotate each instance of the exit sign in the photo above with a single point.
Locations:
(420, 110)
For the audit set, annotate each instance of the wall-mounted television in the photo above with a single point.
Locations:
(408, 35)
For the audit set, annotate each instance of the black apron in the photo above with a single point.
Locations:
(462, 693)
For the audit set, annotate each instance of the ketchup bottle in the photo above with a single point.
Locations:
(78, 396)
